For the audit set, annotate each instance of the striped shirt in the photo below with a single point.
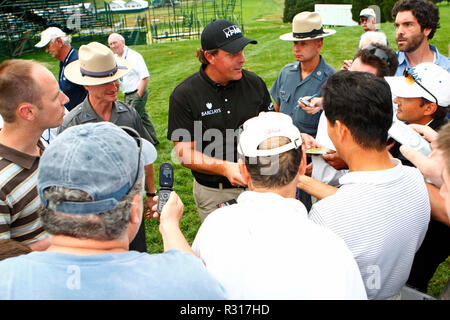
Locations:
(19, 200)
(382, 216)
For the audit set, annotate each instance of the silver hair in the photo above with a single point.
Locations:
(109, 225)
(66, 40)
(116, 35)
(370, 37)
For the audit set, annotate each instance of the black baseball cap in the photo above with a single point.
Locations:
(225, 35)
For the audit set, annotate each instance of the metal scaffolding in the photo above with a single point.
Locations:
(176, 20)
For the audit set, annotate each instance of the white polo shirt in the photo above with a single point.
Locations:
(264, 247)
(382, 216)
(139, 71)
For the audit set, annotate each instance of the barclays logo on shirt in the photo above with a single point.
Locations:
(210, 111)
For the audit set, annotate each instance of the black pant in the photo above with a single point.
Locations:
(433, 251)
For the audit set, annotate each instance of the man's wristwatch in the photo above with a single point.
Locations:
(150, 194)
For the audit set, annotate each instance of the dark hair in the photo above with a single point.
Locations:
(426, 13)
(361, 101)
(440, 112)
(274, 171)
(368, 55)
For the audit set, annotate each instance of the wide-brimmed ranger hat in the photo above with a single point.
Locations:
(96, 65)
(307, 26)
(425, 80)
(267, 125)
(225, 35)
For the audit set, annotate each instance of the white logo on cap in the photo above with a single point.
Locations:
(209, 105)
(230, 31)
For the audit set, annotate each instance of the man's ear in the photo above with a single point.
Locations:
(302, 168)
(427, 31)
(26, 111)
(209, 57)
(342, 130)
(243, 170)
(136, 209)
(429, 108)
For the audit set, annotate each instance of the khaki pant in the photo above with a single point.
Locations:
(207, 198)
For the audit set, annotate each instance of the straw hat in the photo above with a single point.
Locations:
(96, 65)
(307, 26)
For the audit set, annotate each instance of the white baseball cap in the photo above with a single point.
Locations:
(426, 80)
(367, 12)
(48, 35)
(267, 125)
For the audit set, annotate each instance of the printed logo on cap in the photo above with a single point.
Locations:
(231, 31)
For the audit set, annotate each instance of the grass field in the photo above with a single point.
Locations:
(170, 62)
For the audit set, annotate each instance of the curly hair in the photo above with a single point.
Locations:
(384, 67)
(426, 13)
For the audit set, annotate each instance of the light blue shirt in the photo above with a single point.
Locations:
(172, 275)
(289, 87)
(403, 62)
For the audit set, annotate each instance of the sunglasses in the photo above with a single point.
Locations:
(133, 133)
(411, 78)
(377, 52)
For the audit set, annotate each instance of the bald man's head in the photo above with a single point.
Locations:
(117, 43)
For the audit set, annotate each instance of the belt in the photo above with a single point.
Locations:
(131, 92)
(217, 185)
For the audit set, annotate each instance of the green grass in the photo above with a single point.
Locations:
(170, 62)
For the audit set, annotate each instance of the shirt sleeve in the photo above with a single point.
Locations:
(267, 104)
(275, 90)
(141, 67)
(181, 119)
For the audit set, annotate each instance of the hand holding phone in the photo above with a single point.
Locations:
(404, 134)
(165, 183)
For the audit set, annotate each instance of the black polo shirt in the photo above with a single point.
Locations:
(211, 114)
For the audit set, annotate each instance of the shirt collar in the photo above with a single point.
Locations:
(211, 82)
(374, 177)
(402, 58)
(22, 159)
(89, 113)
(272, 199)
(318, 73)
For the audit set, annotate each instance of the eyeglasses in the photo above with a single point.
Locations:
(377, 52)
(411, 77)
(133, 133)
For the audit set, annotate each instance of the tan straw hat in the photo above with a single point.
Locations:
(307, 26)
(96, 65)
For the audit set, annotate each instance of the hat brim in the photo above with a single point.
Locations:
(400, 87)
(72, 73)
(149, 153)
(237, 45)
(42, 43)
(290, 37)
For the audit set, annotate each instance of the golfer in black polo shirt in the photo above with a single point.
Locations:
(206, 110)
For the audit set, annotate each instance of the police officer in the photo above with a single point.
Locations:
(100, 76)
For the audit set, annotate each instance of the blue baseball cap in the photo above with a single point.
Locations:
(100, 159)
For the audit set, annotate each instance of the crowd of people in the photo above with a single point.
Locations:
(300, 188)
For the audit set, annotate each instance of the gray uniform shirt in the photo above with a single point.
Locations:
(121, 115)
(289, 87)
